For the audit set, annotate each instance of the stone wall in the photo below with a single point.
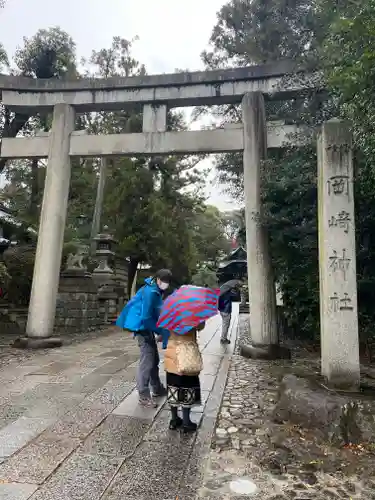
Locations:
(77, 308)
(85, 304)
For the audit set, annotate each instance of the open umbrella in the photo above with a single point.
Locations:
(229, 285)
(187, 307)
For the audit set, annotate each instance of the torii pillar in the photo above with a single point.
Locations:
(262, 294)
(42, 307)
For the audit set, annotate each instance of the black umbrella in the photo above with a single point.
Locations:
(229, 285)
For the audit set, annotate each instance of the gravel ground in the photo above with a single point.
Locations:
(277, 461)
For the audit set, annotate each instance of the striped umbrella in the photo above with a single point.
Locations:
(187, 307)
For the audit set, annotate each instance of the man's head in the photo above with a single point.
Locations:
(163, 278)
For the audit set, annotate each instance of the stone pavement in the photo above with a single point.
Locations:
(71, 429)
(254, 456)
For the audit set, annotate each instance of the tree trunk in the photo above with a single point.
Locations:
(34, 187)
(132, 271)
(95, 228)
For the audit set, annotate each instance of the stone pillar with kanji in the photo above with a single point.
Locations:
(337, 257)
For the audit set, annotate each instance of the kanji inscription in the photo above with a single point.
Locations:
(338, 184)
(343, 303)
(339, 262)
(341, 220)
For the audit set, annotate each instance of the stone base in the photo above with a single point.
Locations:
(37, 343)
(341, 419)
(75, 273)
(265, 352)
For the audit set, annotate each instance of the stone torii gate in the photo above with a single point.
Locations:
(158, 93)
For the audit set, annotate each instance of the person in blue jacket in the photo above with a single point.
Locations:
(140, 316)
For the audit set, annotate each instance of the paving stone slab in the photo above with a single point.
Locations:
(111, 394)
(207, 382)
(75, 371)
(112, 354)
(95, 363)
(215, 398)
(204, 398)
(81, 477)
(43, 392)
(16, 372)
(160, 432)
(117, 436)
(55, 407)
(130, 408)
(210, 371)
(114, 366)
(16, 435)
(194, 473)
(10, 413)
(19, 386)
(36, 461)
(52, 368)
(80, 421)
(211, 364)
(89, 383)
(129, 374)
(153, 472)
(15, 491)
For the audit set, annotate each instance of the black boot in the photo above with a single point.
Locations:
(176, 421)
(187, 425)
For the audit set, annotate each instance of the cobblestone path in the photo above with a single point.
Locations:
(252, 457)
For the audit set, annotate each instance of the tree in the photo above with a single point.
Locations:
(235, 226)
(264, 31)
(258, 31)
(146, 201)
(205, 277)
(348, 55)
(290, 214)
(339, 39)
(209, 236)
(48, 54)
(153, 206)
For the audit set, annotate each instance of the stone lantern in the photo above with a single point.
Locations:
(104, 277)
(104, 253)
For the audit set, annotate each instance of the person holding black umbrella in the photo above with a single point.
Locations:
(225, 307)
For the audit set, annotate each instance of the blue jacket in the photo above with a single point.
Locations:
(225, 302)
(142, 312)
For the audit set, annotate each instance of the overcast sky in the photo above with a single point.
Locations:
(172, 33)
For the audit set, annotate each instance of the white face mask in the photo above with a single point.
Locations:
(163, 286)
